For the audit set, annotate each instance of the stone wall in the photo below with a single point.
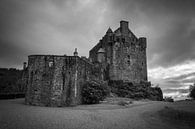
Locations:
(125, 54)
(57, 80)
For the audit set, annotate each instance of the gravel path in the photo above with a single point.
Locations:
(15, 115)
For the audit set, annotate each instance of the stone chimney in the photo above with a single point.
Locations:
(124, 26)
(75, 52)
(24, 65)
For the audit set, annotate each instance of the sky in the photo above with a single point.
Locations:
(59, 26)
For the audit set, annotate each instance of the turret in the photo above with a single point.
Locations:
(124, 26)
(101, 55)
(75, 52)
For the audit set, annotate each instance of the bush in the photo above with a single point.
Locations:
(143, 90)
(192, 92)
(155, 93)
(11, 81)
(94, 92)
(168, 99)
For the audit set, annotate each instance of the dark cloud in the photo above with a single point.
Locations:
(11, 55)
(170, 26)
(58, 26)
(176, 46)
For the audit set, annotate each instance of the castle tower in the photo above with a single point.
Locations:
(124, 53)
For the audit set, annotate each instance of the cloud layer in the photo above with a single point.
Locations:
(58, 26)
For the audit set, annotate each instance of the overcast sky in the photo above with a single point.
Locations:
(58, 26)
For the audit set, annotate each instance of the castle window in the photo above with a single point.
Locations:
(110, 38)
(110, 44)
(36, 71)
(123, 40)
(117, 40)
(50, 64)
(128, 62)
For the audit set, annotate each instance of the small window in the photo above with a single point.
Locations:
(128, 62)
(36, 71)
(117, 40)
(128, 56)
(110, 44)
(110, 38)
(123, 40)
(50, 64)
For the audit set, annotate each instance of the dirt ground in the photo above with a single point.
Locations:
(14, 114)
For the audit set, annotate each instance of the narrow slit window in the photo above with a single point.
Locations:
(128, 62)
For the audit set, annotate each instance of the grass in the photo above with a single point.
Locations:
(172, 115)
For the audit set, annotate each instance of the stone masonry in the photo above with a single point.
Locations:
(54, 80)
(123, 54)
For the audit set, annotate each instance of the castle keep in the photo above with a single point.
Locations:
(122, 54)
(54, 80)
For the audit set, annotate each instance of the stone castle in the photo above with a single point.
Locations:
(56, 80)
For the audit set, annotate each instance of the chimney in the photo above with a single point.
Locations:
(75, 52)
(24, 65)
(124, 26)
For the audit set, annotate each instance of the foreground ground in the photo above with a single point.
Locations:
(139, 115)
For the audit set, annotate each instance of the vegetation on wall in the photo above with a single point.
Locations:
(136, 91)
(93, 92)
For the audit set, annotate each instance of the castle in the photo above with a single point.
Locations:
(56, 80)
(122, 54)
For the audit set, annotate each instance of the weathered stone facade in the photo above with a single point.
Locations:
(54, 80)
(123, 54)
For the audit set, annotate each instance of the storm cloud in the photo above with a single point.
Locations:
(58, 26)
